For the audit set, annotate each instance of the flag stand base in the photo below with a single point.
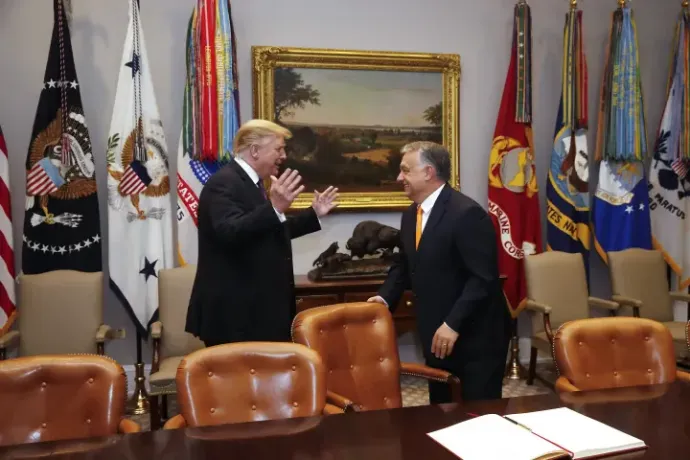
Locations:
(513, 369)
(138, 404)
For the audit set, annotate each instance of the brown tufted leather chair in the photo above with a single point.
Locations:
(638, 281)
(556, 292)
(358, 346)
(58, 397)
(599, 353)
(170, 342)
(249, 381)
(61, 311)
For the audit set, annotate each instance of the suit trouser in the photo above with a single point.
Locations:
(480, 378)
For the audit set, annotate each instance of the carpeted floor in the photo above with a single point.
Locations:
(415, 392)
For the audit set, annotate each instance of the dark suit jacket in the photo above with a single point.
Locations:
(454, 277)
(244, 286)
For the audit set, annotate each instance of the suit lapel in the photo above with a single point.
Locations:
(254, 192)
(437, 213)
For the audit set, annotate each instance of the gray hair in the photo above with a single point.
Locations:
(432, 154)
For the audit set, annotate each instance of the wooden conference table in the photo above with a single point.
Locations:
(660, 415)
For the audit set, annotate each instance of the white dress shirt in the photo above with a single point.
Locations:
(255, 178)
(428, 204)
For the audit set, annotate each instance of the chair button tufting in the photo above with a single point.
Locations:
(647, 338)
(210, 374)
(352, 366)
(649, 371)
(43, 385)
(91, 380)
(587, 375)
(295, 404)
(579, 343)
(213, 410)
(44, 424)
(373, 321)
(615, 373)
(88, 421)
(294, 368)
(252, 371)
(613, 340)
(253, 406)
(381, 359)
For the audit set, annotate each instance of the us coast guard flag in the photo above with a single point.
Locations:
(620, 214)
(513, 190)
(61, 223)
(210, 114)
(669, 183)
(139, 208)
(567, 189)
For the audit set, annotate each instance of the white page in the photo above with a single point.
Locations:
(491, 437)
(577, 433)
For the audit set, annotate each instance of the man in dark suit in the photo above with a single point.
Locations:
(244, 285)
(449, 260)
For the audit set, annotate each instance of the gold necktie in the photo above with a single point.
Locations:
(419, 226)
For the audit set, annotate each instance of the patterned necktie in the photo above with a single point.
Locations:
(260, 184)
(419, 226)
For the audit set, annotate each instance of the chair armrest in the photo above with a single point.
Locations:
(341, 402)
(175, 423)
(330, 409)
(538, 307)
(156, 330)
(680, 296)
(156, 334)
(437, 375)
(628, 302)
(683, 376)
(603, 303)
(128, 426)
(8, 341)
(563, 385)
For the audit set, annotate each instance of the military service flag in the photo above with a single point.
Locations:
(210, 114)
(61, 223)
(669, 183)
(620, 209)
(139, 209)
(567, 188)
(513, 198)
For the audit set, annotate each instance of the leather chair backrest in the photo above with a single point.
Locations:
(357, 342)
(59, 312)
(174, 291)
(58, 397)
(558, 280)
(641, 274)
(250, 381)
(600, 353)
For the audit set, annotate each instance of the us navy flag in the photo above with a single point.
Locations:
(61, 223)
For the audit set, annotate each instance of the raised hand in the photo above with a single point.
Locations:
(324, 202)
(285, 189)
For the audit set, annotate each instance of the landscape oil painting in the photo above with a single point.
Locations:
(349, 122)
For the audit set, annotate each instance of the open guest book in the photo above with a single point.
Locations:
(548, 434)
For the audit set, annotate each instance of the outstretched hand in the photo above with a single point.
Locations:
(285, 189)
(324, 202)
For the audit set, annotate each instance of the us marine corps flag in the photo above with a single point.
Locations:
(513, 198)
(210, 115)
(139, 209)
(61, 223)
(669, 183)
(620, 208)
(567, 188)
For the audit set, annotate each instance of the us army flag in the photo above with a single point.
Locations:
(61, 222)
(567, 188)
(210, 115)
(513, 190)
(669, 183)
(139, 208)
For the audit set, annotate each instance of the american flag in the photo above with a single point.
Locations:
(135, 180)
(680, 167)
(7, 300)
(43, 178)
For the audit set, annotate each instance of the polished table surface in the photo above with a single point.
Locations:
(659, 415)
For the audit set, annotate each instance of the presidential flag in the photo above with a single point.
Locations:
(669, 183)
(513, 191)
(8, 308)
(210, 114)
(620, 214)
(567, 188)
(61, 223)
(139, 208)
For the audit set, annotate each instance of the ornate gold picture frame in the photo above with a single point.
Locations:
(351, 111)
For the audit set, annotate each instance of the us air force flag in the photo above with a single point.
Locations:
(139, 208)
(61, 223)
(621, 212)
(669, 183)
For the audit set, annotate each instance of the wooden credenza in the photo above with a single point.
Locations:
(317, 294)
